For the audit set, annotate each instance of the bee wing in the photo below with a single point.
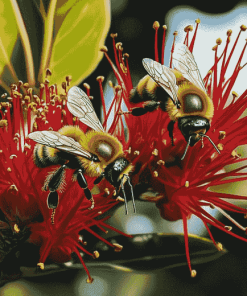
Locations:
(184, 62)
(61, 142)
(80, 106)
(163, 76)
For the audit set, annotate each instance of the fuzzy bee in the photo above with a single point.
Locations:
(185, 98)
(94, 153)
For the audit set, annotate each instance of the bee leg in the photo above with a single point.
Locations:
(170, 128)
(83, 184)
(132, 193)
(148, 106)
(53, 185)
(97, 181)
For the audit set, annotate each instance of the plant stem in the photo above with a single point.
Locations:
(25, 43)
(47, 43)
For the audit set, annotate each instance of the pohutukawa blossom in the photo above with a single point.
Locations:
(23, 200)
(182, 182)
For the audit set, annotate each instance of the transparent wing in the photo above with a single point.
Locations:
(184, 62)
(163, 76)
(80, 106)
(61, 142)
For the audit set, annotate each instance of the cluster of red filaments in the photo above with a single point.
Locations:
(182, 187)
(22, 199)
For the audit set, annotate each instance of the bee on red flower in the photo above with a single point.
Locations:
(24, 215)
(96, 153)
(182, 185)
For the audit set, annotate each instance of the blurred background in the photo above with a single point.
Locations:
(133, 21)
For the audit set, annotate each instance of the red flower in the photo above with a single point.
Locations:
(183, 186)
(23, 202)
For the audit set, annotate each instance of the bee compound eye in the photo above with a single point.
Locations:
(192, 103)
(104, 150)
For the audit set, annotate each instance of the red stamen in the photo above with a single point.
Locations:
(156, 26)
(191, 47)
(173, 46)
(163, 44)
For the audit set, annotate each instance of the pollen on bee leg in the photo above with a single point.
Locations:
(118, 248)
(187, 184)
(41, 265)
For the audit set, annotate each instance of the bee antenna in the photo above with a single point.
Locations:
(215, 147)
(186, 148)
(125, 199)
(132, 193)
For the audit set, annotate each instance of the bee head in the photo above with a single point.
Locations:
(113, 171)
(192, 127)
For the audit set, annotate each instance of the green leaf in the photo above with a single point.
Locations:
(8, 36)
(83, 29)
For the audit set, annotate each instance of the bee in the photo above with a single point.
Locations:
(94, 153)
(185, 98)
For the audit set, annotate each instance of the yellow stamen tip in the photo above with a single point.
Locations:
(155, 152)
(220, 146)
(104, 49)
(164, 27)
(89, 280)
(222, 135)
(155, 174)
(113, 35)
(156, 25)
(188, 28)
(218, 41)
(95, 254)
(107, 191)
(41, 265)
(198, 21)
(187, 184)
(219, 247)
(193, 273)
(100, 78)
(160, 162)
(86, 85)
(16, 228)
(229, 33)
(118, 248)
(119, 198)
(136, 152)
(243, 28)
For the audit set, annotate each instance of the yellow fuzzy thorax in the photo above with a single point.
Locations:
(90, 141)
(184, 89)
